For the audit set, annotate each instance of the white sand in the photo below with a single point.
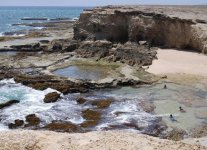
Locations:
(105, 140)
(173, 61)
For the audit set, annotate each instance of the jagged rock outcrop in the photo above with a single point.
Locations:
(130, 53)
(156, 25)
(61, 45)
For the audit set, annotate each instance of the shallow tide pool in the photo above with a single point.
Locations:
(84, 72)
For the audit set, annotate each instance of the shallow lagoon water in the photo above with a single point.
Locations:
(84, 72)
(168, 101)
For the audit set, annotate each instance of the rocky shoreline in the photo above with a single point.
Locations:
(123, 40)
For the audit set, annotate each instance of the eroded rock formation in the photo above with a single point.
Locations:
(171, 28)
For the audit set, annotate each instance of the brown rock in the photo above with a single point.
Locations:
(51, 97)
(97, 49)
(91, 114)
(175, 134)
(32, 120)
(89, 123)
(62, 127)
(17, 123)
(9, 103)
(42, 82)
(81, 100)
(102, 103)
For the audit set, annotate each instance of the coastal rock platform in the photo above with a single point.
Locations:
(37, 140)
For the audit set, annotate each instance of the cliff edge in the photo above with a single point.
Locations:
(180, 27)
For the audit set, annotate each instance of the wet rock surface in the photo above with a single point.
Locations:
(32, 120)
(102, 103)
(42, 82)
(61, 126)
(51, 97)
(81, 100)
(92, 118)
(175, 134)
(17, 123)
(9, 103)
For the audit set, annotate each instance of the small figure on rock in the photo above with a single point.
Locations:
(165, 86)
(181, 109)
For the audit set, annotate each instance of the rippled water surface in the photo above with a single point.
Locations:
(125, 108)
(13, 15)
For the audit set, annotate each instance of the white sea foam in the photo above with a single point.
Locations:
(39, 28)
(75, 19)
(18, 35)
(1, 34)
(7, 81)
(121, 111)
(31, 100)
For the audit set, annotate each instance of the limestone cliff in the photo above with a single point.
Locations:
(170, 27)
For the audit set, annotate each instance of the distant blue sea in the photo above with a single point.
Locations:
(13, 15)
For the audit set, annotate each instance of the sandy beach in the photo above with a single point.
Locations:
(179, 62)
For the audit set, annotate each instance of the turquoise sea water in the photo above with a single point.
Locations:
(13, 15)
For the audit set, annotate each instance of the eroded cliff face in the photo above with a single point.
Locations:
(122, 24)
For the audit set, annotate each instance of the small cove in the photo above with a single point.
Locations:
(125, 111)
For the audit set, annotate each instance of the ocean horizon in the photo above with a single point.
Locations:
(10, 15)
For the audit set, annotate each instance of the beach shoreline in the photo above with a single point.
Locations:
(172, 61)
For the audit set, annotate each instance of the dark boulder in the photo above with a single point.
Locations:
(17, 123)
(56, 47)
(81, 100)
(102, 103)
(32, 120)
(91, 114)
(73, 45)
(92, 118)
(51, 97)
(9, 103)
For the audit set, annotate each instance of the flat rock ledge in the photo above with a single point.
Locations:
(102, 140)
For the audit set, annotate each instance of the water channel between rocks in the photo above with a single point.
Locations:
(126, 110)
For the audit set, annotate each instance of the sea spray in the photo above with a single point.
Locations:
(31, 100)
